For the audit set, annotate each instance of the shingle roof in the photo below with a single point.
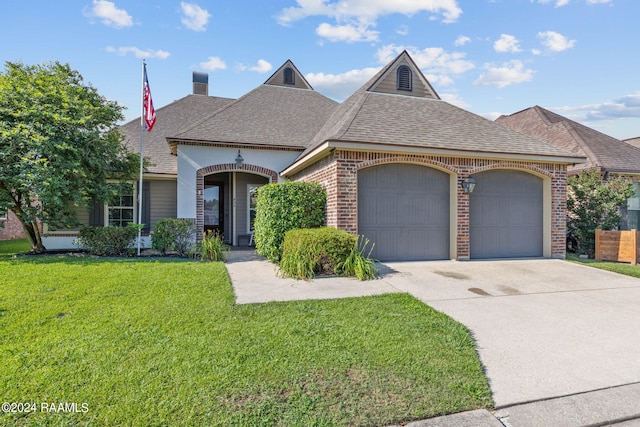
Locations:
(268, 115)
(390, 119)
(170, 120)
(601, 150)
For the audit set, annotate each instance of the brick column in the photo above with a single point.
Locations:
(463, 248)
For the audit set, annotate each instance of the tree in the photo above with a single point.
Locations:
(58, 144)
(594, 202)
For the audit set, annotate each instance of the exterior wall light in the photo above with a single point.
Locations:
(468, 185)
(239, 160)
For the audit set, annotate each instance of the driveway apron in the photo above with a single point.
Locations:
(544, 328)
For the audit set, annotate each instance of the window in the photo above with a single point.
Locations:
(121, 206)
(404, 78)
(3, 214)
(289, 76)
(252, 193)
(633, 209)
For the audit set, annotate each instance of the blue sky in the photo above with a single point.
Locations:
(579, 58)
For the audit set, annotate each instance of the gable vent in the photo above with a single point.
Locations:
(404, 78)
(289, 76)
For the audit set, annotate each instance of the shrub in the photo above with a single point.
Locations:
(109, 241)
(284, 207)
(315, 251)
(212, 247)
(357, 263)
(174, 234)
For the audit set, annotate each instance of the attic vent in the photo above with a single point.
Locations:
(404, 78)
(289, 77)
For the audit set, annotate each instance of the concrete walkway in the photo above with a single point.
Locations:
(557, 339)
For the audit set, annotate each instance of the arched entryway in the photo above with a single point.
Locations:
(225, 201)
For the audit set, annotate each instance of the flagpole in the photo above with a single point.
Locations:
(144, 65)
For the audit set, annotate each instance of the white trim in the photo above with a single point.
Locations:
(105, 205)
(249, 205)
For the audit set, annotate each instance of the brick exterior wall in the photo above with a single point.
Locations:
(338, 175)
(12, 227)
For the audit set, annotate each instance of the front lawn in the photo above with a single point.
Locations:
(12, 247)
(616, 267)
(161, 342)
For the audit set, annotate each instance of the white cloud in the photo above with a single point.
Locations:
(195, 18)
(599, 1)
(555, 42)
(403, 30)
(507, 43)
(346, 33)
(110, 14)
(462, 40)
(213, 63)
(433, 60)
(340, 86)
(509, 73)
(623, 107)
(261, 67)
(559, 3)
(492, 115)
(139, 53)
(453, 98)
(368, 10)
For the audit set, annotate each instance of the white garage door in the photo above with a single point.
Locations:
(404, 209)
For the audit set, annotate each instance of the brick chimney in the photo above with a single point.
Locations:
(200, 83)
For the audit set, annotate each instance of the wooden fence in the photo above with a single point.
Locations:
(620, 246)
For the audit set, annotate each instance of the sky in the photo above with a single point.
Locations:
(578, 58)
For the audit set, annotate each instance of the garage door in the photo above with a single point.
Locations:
(404, 209)
(506, 211)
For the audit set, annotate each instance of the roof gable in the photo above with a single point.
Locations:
(288, 76)
(391, 79)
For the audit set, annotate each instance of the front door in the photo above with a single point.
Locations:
(214, 207)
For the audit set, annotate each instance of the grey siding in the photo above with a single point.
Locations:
(404, 210)
(506, 215)
(163, 200)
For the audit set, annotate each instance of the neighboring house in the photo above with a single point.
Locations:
(12, 228)
(609, 155)
(393, 158)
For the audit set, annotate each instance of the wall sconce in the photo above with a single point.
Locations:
(468, 185)
(239, 160)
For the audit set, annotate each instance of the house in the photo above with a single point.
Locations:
(609, 155)
(419, 177)
(11, 227)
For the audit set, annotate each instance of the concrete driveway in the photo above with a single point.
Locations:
(544, 328)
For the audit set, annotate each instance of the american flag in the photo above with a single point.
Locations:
(147, 104)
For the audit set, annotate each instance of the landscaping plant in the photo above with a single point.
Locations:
(594, 202)
(314, 251)
(109, 241)
(212, 247)
(175, 235)
(357, 263)
(283, 207)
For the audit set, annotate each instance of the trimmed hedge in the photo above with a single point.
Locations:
(315, 251)
(108, 241)
(173, 234)
(284, 207)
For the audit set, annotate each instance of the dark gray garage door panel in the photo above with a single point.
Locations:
(404, 209)
(506, 215)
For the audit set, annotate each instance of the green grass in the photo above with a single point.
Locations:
(161, 343)
(616, 267)
(15, 246)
